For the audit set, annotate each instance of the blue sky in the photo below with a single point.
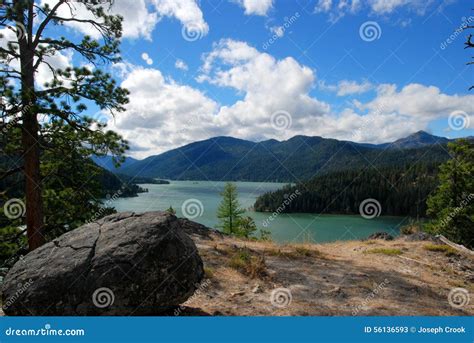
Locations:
(367, 71)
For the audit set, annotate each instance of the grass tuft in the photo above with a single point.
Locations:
(384, 251)
(446, 249)
(248, 263)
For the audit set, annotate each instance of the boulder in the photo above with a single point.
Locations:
(381, 235)
(123, 264)
(421, 236)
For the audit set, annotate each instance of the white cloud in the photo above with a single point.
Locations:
(279, 31)
(416, 100)
(255, 7)
(59, 60)
(163, 114)
(186, 11)
(181, 65)
(323, 6)
(138, 20)
(389, 6)
(339, 8)
(268, 85)
(347, 87)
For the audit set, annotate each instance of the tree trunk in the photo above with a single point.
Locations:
(30, 129)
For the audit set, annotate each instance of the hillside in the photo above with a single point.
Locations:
(403, 277)
(299, 158)
(400, 190)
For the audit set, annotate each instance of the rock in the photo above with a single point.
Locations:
(381, 235)
(123, 264)
(421, 236)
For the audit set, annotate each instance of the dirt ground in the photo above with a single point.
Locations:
(375, 277)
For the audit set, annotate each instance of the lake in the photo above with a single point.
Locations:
(200, 200)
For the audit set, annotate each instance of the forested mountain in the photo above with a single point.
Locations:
(400, 190)
(107, 162)
(417, 140)
(299, 158)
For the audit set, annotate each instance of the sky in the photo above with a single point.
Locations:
(366, 71)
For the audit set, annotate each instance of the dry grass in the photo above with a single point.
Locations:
(209, 272)
(446, 249)
(294, 252)
(248, 263)
(384, 251)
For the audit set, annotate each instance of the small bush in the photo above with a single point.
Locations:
(248, 264)
(384, 251)
(410, 229)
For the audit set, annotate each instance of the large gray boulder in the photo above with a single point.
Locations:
(123, 264)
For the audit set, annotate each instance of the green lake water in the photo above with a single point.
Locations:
(201, 198)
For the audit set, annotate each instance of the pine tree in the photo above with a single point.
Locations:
(29, 47)
(452, 205)
(229, 212)
(247, 227)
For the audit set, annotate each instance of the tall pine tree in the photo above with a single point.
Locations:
(452, 205)
(31, 46)
(229, 212)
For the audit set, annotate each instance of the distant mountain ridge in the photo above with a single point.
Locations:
(293, 160)
(417, 140)
(107, 162)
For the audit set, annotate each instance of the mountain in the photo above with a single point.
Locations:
(106, 162)
(298, 158)
(416, 140)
